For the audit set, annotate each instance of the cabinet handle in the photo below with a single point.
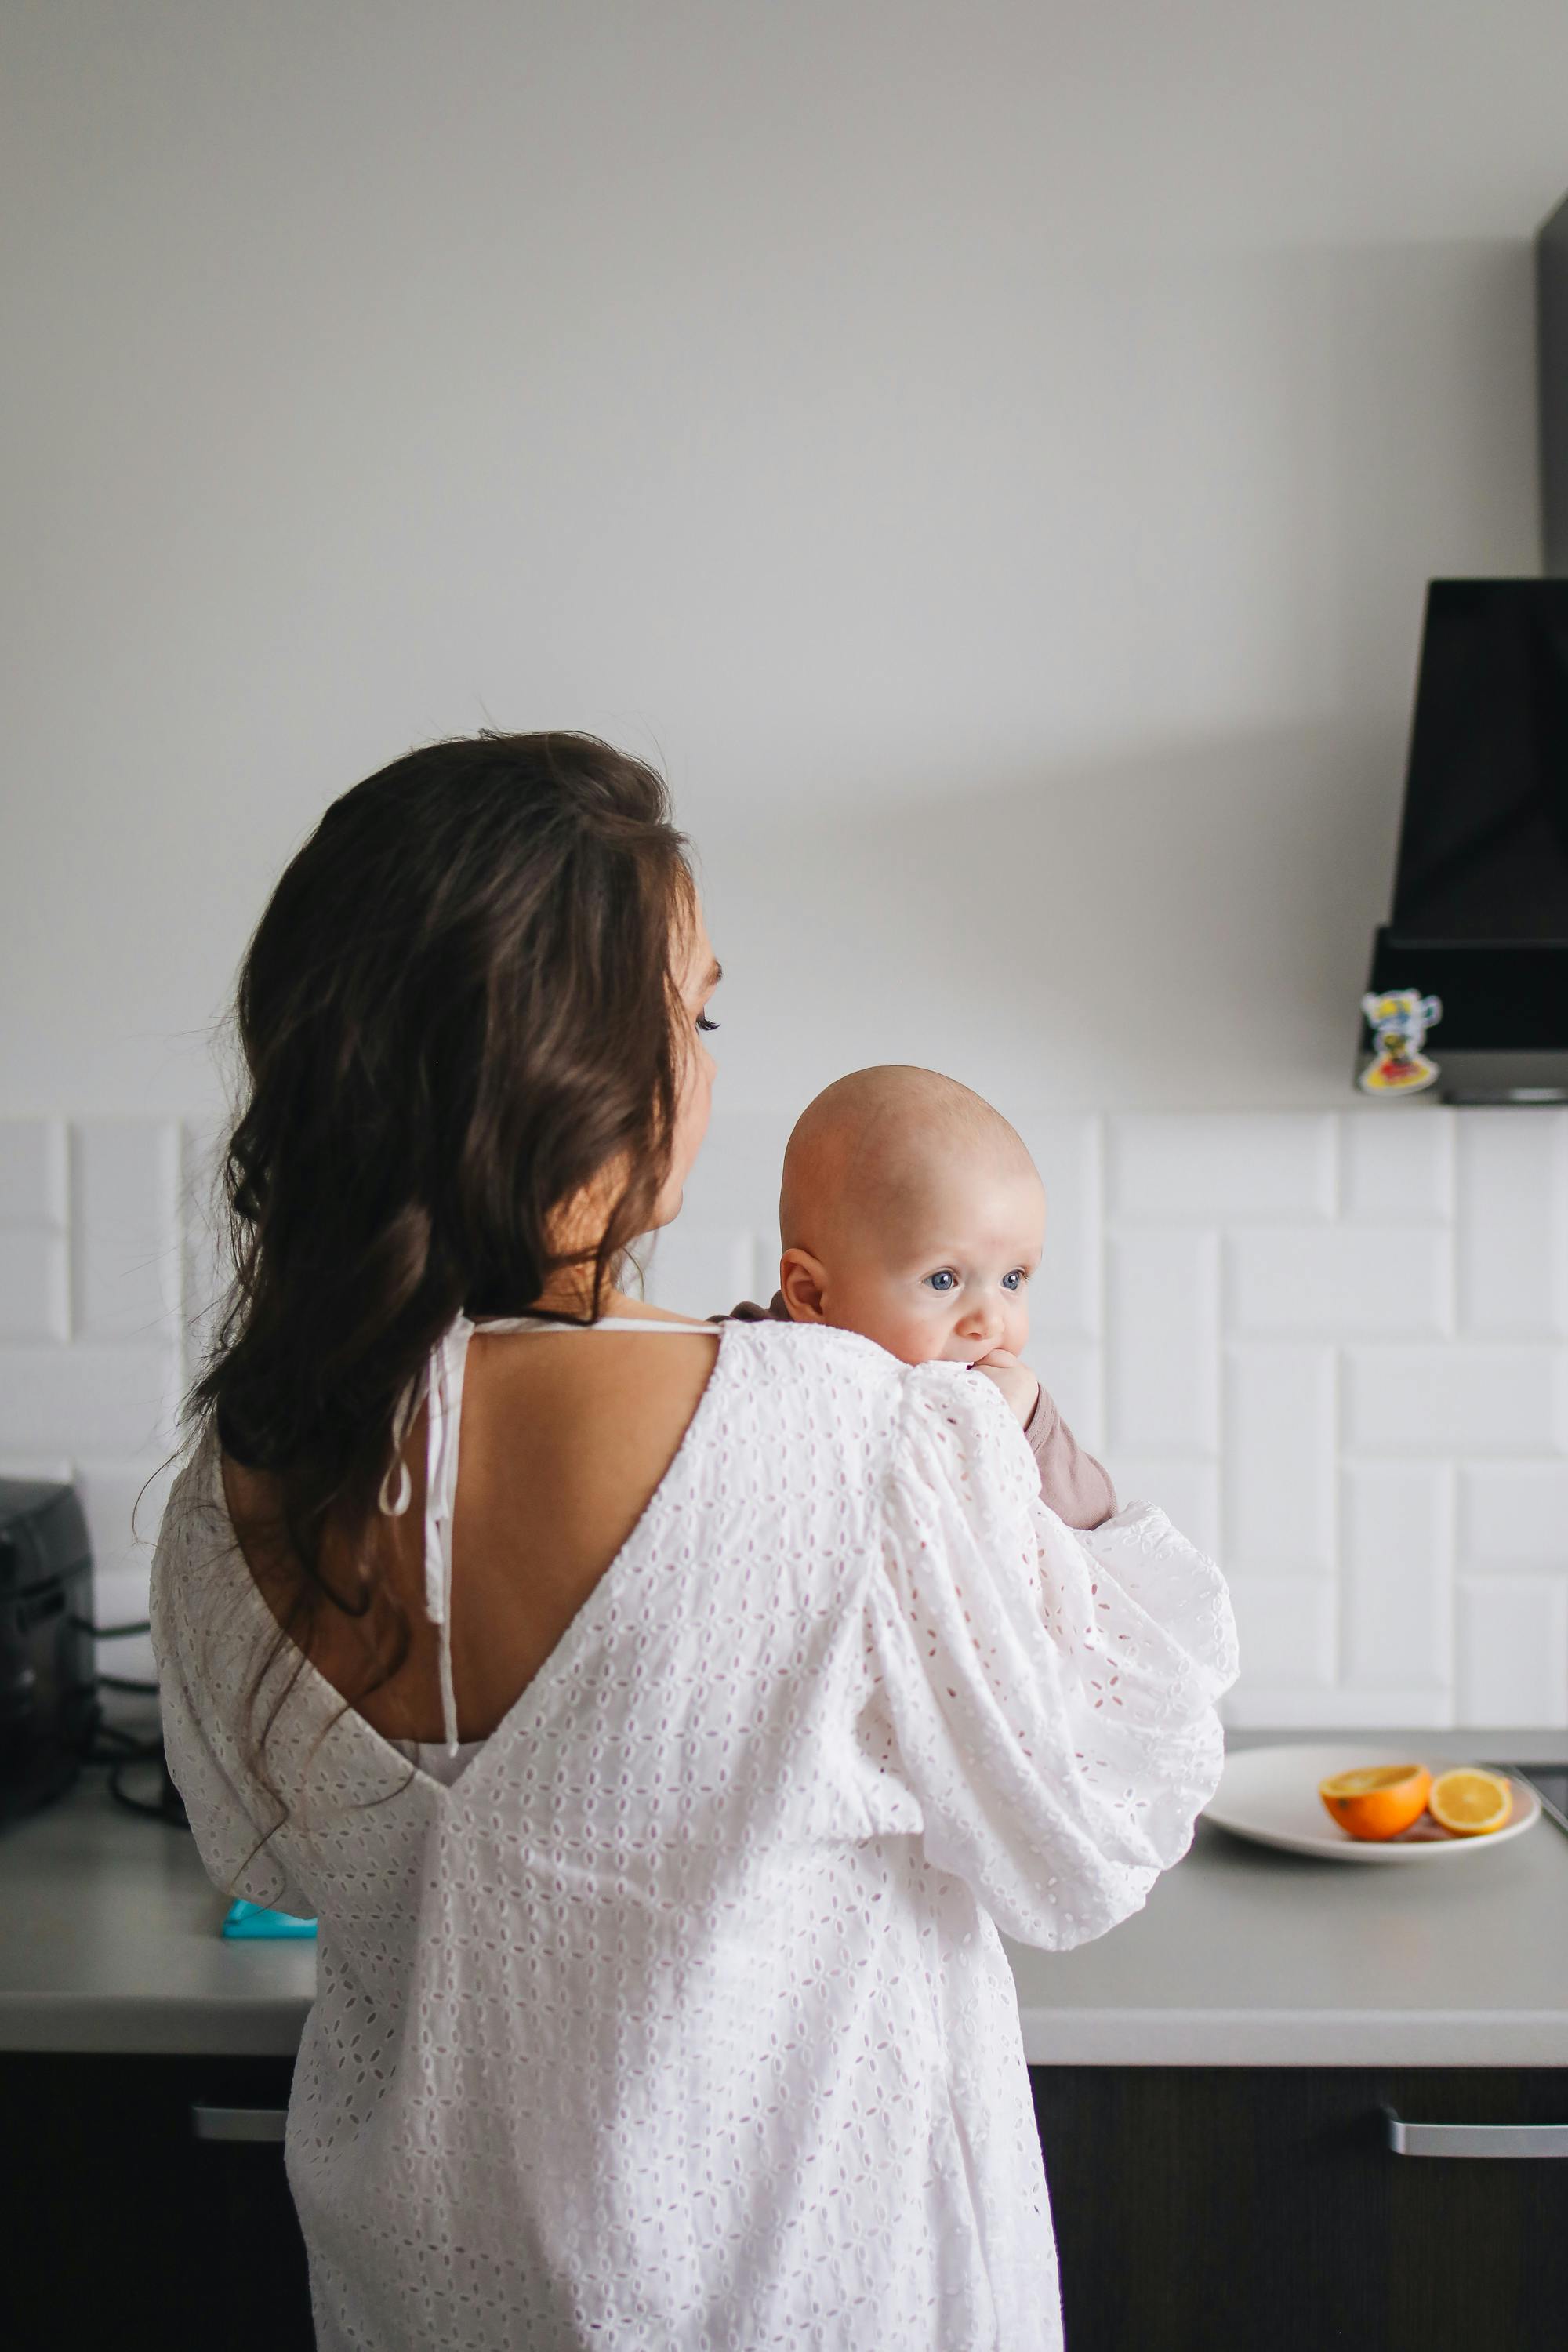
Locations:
(238, 2123)
(1475, 2139)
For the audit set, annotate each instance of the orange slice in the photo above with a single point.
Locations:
(1470, 1801)
(1377, 1801)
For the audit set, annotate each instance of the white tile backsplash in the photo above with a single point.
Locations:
(32, 1172)
(35, 1285)
(1399, 1170)
(1397, 1535)
(87, 1399)
(1512, 1223)
(125, 1227)
(1073, 1371)
(1279, 1460)
(1340, 1278)
(1285, 1625)
(1067, 1294)
(1510, 1641)
(1162, 1337)
(1215, 1166)
(1514, 1515)
(702, 1270)
(1334, 1347)
(1187, 1491)
(1456, 1400)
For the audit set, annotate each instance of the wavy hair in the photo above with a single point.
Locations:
(456, 1014)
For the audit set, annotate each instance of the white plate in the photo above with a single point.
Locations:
(1272, 1795)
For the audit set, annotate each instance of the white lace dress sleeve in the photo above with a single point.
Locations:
(1050, 1694)
(198, 1740)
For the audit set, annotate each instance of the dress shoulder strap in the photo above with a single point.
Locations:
(604, 1323)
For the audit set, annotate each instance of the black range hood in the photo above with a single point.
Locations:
(1479, 920)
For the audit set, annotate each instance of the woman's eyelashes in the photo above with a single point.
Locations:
(706, 1025)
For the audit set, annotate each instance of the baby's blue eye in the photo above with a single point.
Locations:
(1015, 1280)
(941, 1282)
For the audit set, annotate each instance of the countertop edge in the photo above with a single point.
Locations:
(187, 2028)
(1261, 2037)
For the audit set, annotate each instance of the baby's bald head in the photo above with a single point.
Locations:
(911, 1213)
(878, 1149)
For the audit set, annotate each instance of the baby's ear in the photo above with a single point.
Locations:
(802, 1279)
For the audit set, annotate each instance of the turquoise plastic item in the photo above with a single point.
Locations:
(254, 1919)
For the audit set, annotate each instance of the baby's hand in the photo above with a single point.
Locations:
(1016, 1380)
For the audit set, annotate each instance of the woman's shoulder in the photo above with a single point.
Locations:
(807, 1351)
(196, 1555)
(846, 1382)
(814, 1367)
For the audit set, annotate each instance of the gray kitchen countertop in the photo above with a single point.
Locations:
(108, 1941)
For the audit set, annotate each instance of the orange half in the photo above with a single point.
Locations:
(1377, 1801)
(1470, 1801)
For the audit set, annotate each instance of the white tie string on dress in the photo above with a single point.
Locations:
(440, 1384)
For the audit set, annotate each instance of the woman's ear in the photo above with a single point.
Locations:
(803, 1280)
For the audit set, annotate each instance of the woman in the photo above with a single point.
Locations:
(660, 1764)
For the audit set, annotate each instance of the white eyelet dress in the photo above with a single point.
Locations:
(679, 2021)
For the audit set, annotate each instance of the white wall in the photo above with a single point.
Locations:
(992, 455)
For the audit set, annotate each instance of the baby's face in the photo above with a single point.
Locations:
(943, 1275)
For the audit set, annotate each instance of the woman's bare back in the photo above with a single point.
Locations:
(566, 1435)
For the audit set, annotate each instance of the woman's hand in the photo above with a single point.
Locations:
(1016, 1380)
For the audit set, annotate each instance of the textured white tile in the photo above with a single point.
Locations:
(1279, 1459)
(1221, 1165)
(119, 1401)
(119, 1598)
(205, 1266)
(697, 1269)
(1513, 1514)
(34, 1302)
(1163, 1343)
(1259, 1708)
(1187, 1492)
(1397, 1534)
(1511, 1650)
(1512, 1225)
(1470, 1399)
(32, 1172)
(124, 1503)
(125, 1225)
(1339, 1279)
(1284, 1628)
(1065, 1296)
(1396, 1164)
(1073, 1372)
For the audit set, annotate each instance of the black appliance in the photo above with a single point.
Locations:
(47, 1689)
(1551, 365)
(1549, 1783)
(1479, 917)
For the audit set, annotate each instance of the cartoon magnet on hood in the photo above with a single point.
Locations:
(1399, 1018)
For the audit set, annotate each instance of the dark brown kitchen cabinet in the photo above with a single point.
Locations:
(123, 2228)
(1196, 2210)
(1253, 2210)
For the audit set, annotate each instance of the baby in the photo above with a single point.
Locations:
(911, 1213)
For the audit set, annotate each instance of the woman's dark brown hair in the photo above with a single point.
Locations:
(458, 1011)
